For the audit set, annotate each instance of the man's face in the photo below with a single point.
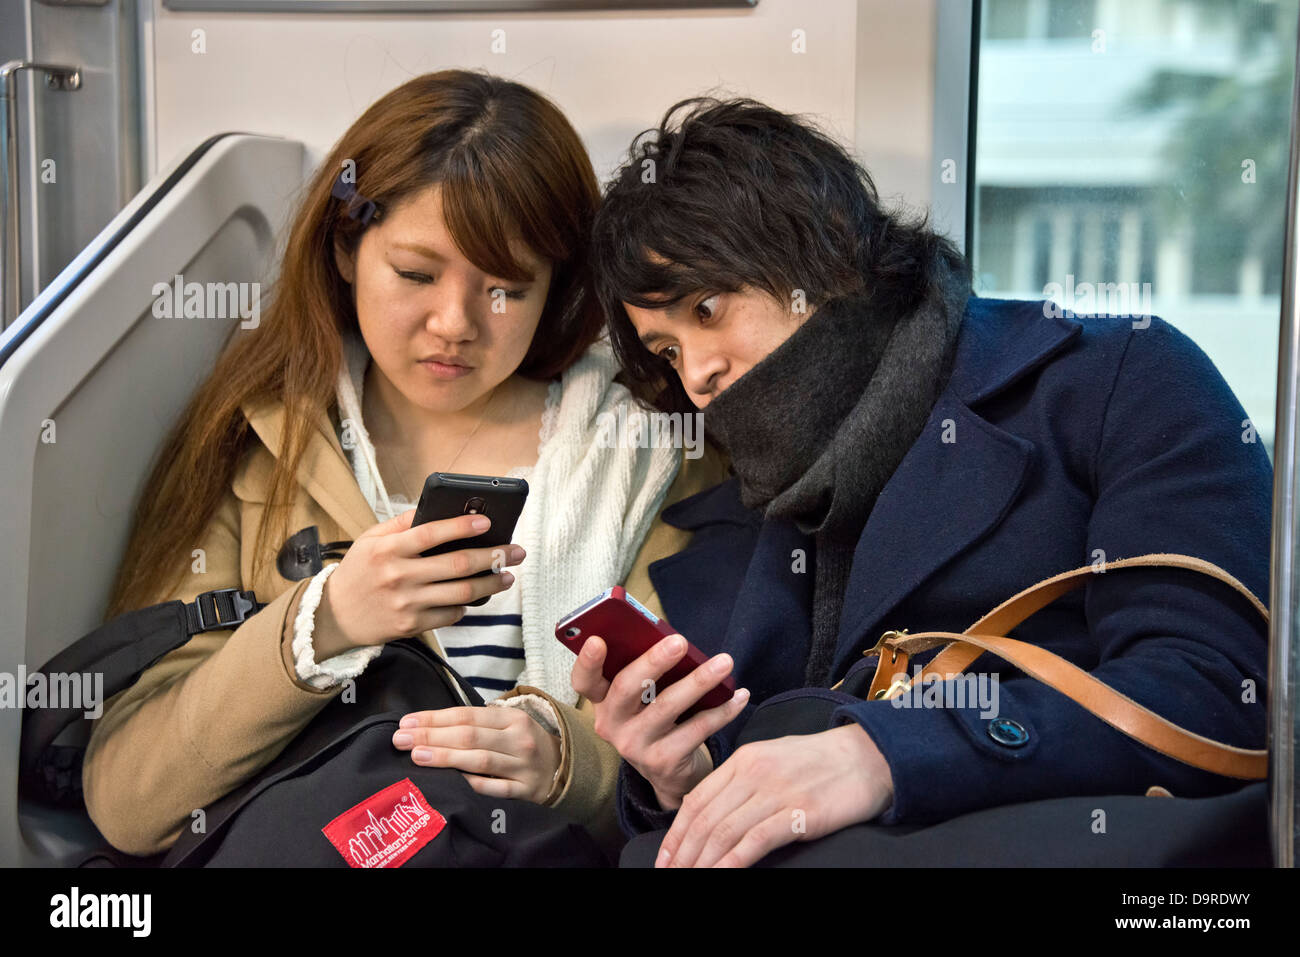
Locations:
(711, 339)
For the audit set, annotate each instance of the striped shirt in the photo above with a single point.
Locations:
(487, 645)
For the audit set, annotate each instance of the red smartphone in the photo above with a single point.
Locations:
(629, 630)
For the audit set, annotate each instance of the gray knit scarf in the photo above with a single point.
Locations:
(817, 427)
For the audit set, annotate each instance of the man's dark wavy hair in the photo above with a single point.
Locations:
(732, 193)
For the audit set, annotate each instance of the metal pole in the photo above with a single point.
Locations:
(1284, 648)
(56, 78)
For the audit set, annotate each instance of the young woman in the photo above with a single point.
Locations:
(432, 313)
(906, 456)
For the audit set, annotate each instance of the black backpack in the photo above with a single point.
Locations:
(339, 795)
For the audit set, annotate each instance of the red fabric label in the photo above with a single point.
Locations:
(387, 828)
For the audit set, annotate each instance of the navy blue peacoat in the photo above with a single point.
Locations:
(1058, 442)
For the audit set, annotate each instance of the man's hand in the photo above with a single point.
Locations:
(641, 724)
(772, 793)
(502, 752)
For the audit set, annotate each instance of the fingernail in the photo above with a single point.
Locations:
(480, 522)
(516, 553)
(720, 664)
(663, 858)
(673, 645)
(402, 740)
(508, 578)
(741, 696)
(422, 755)
(410, 721)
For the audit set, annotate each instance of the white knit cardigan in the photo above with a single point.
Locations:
(597, 501)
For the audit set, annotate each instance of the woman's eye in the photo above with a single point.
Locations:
(508, 293)
(417, 277)
(669, 354)
(706, 307)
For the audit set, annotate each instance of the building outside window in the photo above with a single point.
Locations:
(1131, 157)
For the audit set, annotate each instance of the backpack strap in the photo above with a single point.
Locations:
(119, 650)
(1118, 710)
(218, 609)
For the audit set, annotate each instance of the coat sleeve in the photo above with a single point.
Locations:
(204, 718)
(1177, 468)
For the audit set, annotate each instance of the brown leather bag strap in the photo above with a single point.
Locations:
(1116, 709)
(958, 656)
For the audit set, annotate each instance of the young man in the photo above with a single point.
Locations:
(906, 456)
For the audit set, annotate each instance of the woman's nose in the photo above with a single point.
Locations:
(451, 316)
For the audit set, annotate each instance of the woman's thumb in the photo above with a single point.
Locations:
(398, 523)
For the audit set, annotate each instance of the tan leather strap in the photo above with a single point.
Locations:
(895, 649)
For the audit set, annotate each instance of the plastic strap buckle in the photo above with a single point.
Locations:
(220, 609)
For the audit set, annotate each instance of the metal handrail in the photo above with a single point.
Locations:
(56, 78)
(1284, 648)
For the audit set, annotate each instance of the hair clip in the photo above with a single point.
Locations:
(357, 206)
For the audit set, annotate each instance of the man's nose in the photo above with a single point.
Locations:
(701, 374)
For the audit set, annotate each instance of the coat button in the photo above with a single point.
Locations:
(1008, 733)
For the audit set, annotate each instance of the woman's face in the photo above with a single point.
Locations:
(712, 339)
(440, 330)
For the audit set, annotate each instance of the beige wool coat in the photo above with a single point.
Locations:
(209, 715)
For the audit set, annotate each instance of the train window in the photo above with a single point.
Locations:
(1132, 158)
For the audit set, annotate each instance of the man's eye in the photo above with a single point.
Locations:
(706, 308)
(417, 277)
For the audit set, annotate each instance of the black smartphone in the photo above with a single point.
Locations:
(447, 495)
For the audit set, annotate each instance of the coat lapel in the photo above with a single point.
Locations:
(324, 471)
(733, 583)
(738, 586)
(926, 515)
(697, 586)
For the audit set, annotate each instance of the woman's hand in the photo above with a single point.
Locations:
(384, 589)
(502, 752)
(641, 724)
(772, 793)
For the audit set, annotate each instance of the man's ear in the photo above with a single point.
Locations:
(345, 261)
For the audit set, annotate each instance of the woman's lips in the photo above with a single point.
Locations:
(445, 370)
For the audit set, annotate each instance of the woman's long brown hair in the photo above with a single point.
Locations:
(510, 166)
